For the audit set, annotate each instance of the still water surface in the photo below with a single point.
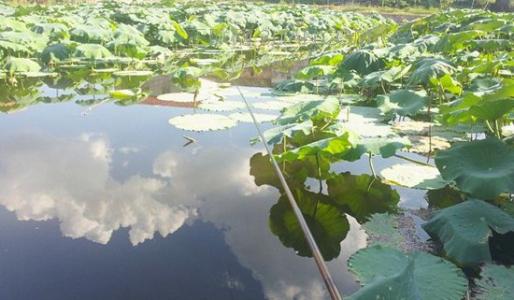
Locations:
(109, 204)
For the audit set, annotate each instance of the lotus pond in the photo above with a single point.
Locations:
(130, 167)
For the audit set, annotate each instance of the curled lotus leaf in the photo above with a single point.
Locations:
(465, 230)
(482, 168)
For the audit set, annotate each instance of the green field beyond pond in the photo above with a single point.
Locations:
(433, 98)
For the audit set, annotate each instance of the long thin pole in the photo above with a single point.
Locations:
(318, 258)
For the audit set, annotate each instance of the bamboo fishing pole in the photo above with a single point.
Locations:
(318, 257)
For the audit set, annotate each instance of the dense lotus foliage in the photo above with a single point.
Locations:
(200, 37)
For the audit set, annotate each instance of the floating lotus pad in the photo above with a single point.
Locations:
(247, 118)
(272, 105)
(132, 73)
(202, 122)
(38, 74)
(177, 97)
(387, 273)
(414, 176)
(222, 105)
(104, 71)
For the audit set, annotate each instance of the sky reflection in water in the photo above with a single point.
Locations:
(141, 215)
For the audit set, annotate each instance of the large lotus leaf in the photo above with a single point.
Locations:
(496, 283)
(85, 33)
(126, 34)
(314, 110)
(202, 122)
(92, 51)
(414, 176)
(403, 102)
(55, 31)
(397, 286)
(464, 230)
(20, 65)
(55, 52)
(361, 61)
(327, 224)
(389, 274)
(332, 148)
(383, 146)
(377, 78)
(315, 71)
(491, 45)
(12, 48)
(361, 195)
(444, 197)
(429, 68)
(492, 110)
(276, 135)
(457, 40)
(482, 168)
(447, 84)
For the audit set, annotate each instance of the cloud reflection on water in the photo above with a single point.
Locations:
(45, 177)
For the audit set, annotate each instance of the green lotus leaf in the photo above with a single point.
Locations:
(12, 48)
(495, 283)
(377, 78)
(15, 65)
(361, 61)
(386, 273)
(92, 52)
(492, 110)
(55, 52)
(382, 229)
(414, 176)
(482, 168)
(315, 71)
(361, 196)
(403, 102)
(87, 33)
(277, 134)
(332, 148)
(383, 146)
(202, 122)
(464, 230)
(316, 111)
(427, 69)
(327, 224)
(443, 198)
